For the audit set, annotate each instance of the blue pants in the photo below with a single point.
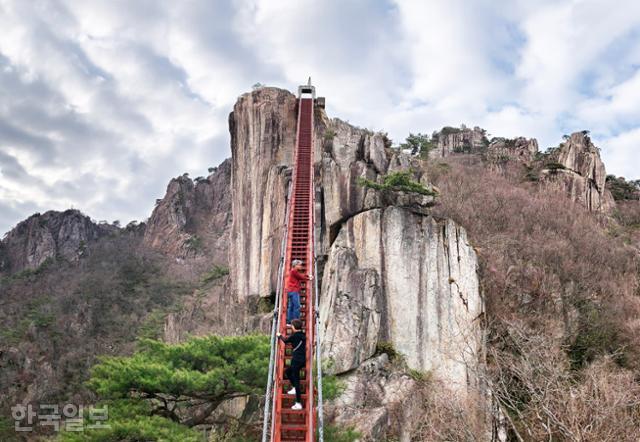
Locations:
(293, 306)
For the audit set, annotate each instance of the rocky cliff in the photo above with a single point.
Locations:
(517, 149)
(193, 217)
(263, 129)
(577, 169)
(42, 237)
(451, 140)
(407, 279)
(392, 274)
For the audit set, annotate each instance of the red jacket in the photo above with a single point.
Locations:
(293, 281)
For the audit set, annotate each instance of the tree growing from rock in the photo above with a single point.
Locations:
(418, 143)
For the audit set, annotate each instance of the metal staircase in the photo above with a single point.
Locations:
(281, 423)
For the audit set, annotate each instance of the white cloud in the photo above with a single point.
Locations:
(102, 101)
(621, 153)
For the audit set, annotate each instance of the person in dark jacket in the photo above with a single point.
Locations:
(298, 341)
(293, 287)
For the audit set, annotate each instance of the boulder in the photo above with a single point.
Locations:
(378, 401)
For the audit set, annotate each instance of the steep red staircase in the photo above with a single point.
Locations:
(288, 424)
(281, 423)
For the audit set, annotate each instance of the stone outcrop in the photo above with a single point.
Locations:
(51, 235)
(263, 129)
(575, 168)
(193, 217)
(516, 149)
(451, 140)
(263, 126)
(403, 278)
(377, 400)
(350, 154)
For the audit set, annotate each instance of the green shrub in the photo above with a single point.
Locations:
(553, 166)
(329, 134)
(622, 189)
(194, 243)
(332, 387)
(420, 376)
(397, 182)
(597, 335)
(448, 130)
(7, 430)
(200, 371)
(386, 140)
(152, 326)
(333, 433)
(214, 274)
(130, 421)
(386, 347)
(418, 143)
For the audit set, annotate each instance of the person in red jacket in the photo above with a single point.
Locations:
(292, 287)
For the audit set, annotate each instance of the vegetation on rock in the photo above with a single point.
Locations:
(561, 299)
(418, 143)
(622, 189)
(398, 182)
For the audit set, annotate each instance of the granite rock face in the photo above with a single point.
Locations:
(378, 401)
(41, 237)
(580, 173)
(193, 217)
(263, 126)
(263, 129)
(452, 140)
(517, 149)
(407, 279)
(351, 154)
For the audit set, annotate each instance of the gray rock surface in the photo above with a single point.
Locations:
(582, 175)
(193, 218)
(262, 126)
(451, 140)
(404, 278)
(48, 236)
(378, 401)
(517, 149)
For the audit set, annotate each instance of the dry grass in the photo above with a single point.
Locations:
(562, 296)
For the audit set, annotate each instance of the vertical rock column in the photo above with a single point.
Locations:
(262, 126)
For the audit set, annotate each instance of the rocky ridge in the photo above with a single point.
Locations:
(52, 235)
(392, 275)
(577, 169)
(450, 140)
(193, 217)
(517, 149)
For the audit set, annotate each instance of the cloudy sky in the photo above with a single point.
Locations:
(102, 102)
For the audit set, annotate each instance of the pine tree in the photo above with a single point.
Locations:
(166, 388)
